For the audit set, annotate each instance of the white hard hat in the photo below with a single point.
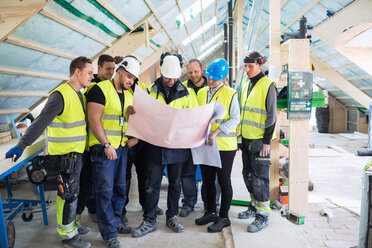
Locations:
(131, 65)
(171, 67)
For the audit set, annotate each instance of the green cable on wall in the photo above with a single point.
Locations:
(82, 16)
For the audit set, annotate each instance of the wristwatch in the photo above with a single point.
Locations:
(107, 145)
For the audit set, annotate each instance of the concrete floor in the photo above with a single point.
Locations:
(335, 174)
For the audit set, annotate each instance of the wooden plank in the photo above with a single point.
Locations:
(73, 26)
(14, 14)
(299, 59)
(38, 74)
(186, 25)
(275, 61)
(337, 116)
(6, 164)
(13, 111)
(23, 93)
(153, 58)
(39, 47)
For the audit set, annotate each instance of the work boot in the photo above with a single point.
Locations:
(144, 229)
(174, 224)
(219, 224)
(185, 211)
(93, 217)
(159, 211)
(250, 212)
(113, 243)
(75, 242)
(206, 218)
(258, 224)
(82, 230)
(124, 228)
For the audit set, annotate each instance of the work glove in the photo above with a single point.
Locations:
(14, 151)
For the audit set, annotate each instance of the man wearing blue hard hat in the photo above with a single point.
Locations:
(258, 117)
(224, 130)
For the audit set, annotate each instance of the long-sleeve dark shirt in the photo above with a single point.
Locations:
(270, 104)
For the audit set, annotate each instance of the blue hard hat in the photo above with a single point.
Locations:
(217, 70)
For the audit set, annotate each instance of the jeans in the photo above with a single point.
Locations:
(153, 183)
(109, 186)
(188, 184)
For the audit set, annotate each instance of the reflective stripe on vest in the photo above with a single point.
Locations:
(253, 112)
(67, 132)
(111, 115)
(226, 142)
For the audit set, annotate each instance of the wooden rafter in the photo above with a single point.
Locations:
(15, 13)
(38, 74)
(149, 4)
(23, 93)
(73, 26)
(359, 77)
(216, 15)
(153, 58)
(187, 26)
(39, 47)
(202, 18)
(115, 13)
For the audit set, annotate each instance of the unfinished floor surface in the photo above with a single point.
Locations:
(336, 176)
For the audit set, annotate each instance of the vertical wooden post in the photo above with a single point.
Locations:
(299, 59)
(275, 61)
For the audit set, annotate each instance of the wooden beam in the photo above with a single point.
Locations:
(299, 59)
(115, 13)
(149, 4)
(38, 74)
(23, 93)
(13, 111)
(340, 82)
(128, 43)
(153, 58)
(73, 26)
(186, 26)
(15, 13)
(39, 47)
(152, 24)
(275, 61)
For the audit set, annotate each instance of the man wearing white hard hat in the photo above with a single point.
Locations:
(107, 105)
(169, 90)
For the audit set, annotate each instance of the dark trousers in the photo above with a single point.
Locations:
(136, 156)
(109, 186)
(86, 195)
(256, 172)
(188, 184)
(67, 200)
(154, 174)
(224, 179)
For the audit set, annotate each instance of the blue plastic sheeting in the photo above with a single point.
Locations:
(335, 6)
(339, 61)
(42, 30)
(132, 10)
(27, 59)
(161, 38)
(338, 93)
(325, 85)
(143, 52)
(353, 72)
(90, 10)
(348, 101)
(292, 9)
(17, 102)
(162, 7)
(367, 82)
(21, 83)
(194, 24)
(316, 15)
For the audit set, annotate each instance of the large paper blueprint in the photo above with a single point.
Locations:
(161, 125)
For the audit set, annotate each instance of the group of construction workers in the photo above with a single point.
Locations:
(87, 117)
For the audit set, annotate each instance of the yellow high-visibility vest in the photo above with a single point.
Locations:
(111, 115)
(253, 110)
(67, 132)
(225, 94)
